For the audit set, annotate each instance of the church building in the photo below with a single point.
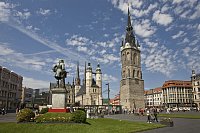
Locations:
(90, 92)
(132, 84)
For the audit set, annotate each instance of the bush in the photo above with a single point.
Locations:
(79, 116)
(25, 115)
(44, 110)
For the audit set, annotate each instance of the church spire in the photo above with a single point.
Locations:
(77, 75)
(130, 38)
(129, 19)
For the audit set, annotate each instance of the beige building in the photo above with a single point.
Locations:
(132, 84)
(196, 88)
(90, 92)
(177, 93)
(10, 89)
(153, 97)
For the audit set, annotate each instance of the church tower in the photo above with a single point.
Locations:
(99, 84)
(131, 85)
(77, 80)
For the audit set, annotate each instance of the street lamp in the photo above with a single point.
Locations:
(108, 96)
(152, 96)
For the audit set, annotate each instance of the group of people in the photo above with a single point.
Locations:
(152, 115)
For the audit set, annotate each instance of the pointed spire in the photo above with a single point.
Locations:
(129, 19)
(77, 75)
(77, 71)
(130, 38)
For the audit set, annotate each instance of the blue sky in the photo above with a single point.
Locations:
(34, 34)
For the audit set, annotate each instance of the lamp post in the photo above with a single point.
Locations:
(108, 96)
(152, 96)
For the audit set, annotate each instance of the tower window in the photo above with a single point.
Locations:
(138, 73)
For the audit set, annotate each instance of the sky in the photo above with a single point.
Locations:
(35, 34)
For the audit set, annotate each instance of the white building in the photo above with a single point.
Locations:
(196, 88)
(153, 97)
(177, 93)
(90, 92)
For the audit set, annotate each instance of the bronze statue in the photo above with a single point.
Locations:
(60, 73)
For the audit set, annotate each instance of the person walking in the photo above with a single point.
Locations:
(148, 116)
(155, 113)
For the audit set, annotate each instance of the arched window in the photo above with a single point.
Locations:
(135, 58)
(133, 73)
(123, 74)
(128, 55)
(138, 74)
(128, 73)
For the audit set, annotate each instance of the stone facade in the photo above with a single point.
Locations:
(10, 89)
(132, 85)
(196, 88)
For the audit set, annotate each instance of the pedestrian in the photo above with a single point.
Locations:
(155, 113)
(3, 111)
(168, 111)
(17, 110)
(148, 116)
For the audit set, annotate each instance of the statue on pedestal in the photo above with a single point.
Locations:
(60, 73)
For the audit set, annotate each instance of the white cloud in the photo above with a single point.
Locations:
(106, 35)
(186, 51)
(186, 40)
(76, 40)
(198, 27)
(157, 58)
(4, 11)
(179, 34)
(18, 59)
(135, 7)
(111, 57)
(109, 78)
(35, 83)
(165, 8)
(83, 49)
(177, 1)
(44, 12)
(140, 12)
(5, 50)
(161, 18)
(66, 52)
(22, 15)
(196, 14)
(144, 29)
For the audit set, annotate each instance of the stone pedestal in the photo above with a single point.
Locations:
(58, 100)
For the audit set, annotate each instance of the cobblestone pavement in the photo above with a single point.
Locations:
(180, 125)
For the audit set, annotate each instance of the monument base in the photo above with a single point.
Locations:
(59, 110)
